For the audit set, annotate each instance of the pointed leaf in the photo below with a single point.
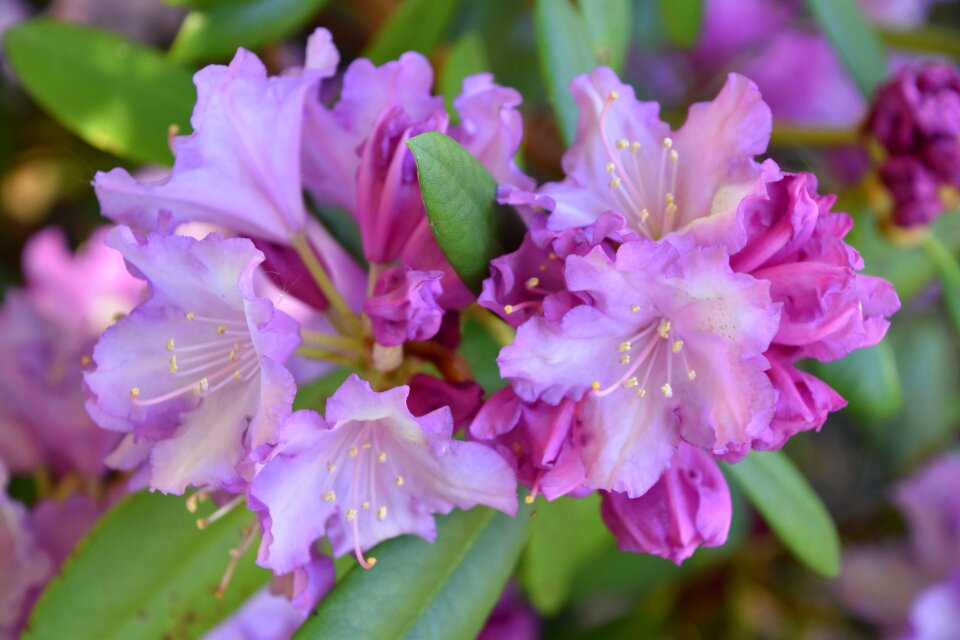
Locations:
(466, 58)
(216, 32)
(681, 20)
(791, 508)
(459, 197)
(855, 40)
(421, 590)
(609, 23)
(415, 25)
(867, 378)
(146, 571)
(117, 95)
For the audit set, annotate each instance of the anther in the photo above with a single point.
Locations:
(351, 514)
(624, 346)
(204, 384)
(331, 467)
(635, 146)
(399, 481)
(667, 143)
(677, 346)
(84, 361)
(173, 364)
(624, 359)
(664, 329)
(614, 182)
(644, 215)
(221, 330)
(641, 392)
(543, 267)
(365, 504)
(170, 345)
(366, 445)
(611, 167)
(622, 144)
(382, 514)
(613, 95)
(691, 375)
(191, 316)
(382, 457)
(353, 452)
(552, 256)
(634, 308)
(596, 385)
(135, 392)
(236, 375)
(674, 156)
(532, 282)
(329, 496)
(631, 382)
(508, 309)
(667, 390)
(529, 499)
(668, 197)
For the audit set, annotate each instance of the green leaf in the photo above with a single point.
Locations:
(681, 20)
(609, 23)
(459, 196)
(415, 25)
(146, 571)
(550, 561)
(949, 271)
(314, 395)
(342, 226)
(791, 508)
(565, 51)
(422, 590)
(216, 32)
(855, 41)
(117, 95)
(867, 378)
(467, 57)
(480, 349)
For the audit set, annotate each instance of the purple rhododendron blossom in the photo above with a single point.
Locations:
(935, 614)
(369, 472)
(671, 347)
(511, 619)
(241, 166)
(625, 159)
(197, 370)
(403, 305)
(828, 309)
(689, 506)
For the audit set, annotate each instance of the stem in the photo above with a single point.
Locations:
(499, 330)
(806, 137)
(321, 354)
(309, 258)
(318, 338)
(928, 39)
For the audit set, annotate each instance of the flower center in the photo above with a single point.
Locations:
(657, 342)
(203, 368)
(650, 208)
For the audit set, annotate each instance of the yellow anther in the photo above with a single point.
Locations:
(351, 514)
(668, 197)
(508, 309)
(613, 95)
(329, 496)
(353, 452)
(84, 361)
(635, 146)
(221, 330)
(644, 215)
(631, 382)
(517, 449)
(233, 356)
(382, 513)
(365, 504)
(634, 308)
(624, 359)
(691, 375)
(595, 386)
(204, 384)
(528, 499)
(677, 346)
(624, 346)
(641, 392)
(674, 156)
(614, 182)
(173, 364)
(543, 267)
(552, 256)
(382, 457)
(671, 209)
(191, 315)
(622, 144)
(664, 329)
(399, 481)
(170, 345)
(236, 375)
(331, 467)
(371, 562)
(667, 390)
(532, 282)
(366, 445)
(197, 390)
(135, 392)
(611, 167)
(667, 143)
(236, 347)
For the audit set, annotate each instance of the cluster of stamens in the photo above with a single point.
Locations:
(646, 347)
(368, 466)
(533, 286)
(207, 367)
(653, 217)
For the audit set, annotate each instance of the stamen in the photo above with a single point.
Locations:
(611, 167)
(221, 330)
(399, 482)
(631, 382)
(634, 308)
(667, 143)
(677, 346)
(84, 361)
(664, 329)
(614, 183)
(613, 95)
(622, 143)
(236, 375)
(595, 386)
(203, 523)
(625, 360)
(624, 346)
(532, 282)
(135, 392)
(382, 514)
(351, 514)
(382, 458)
(367, 444)
(353, 452)
(170, 344)
(330, 496)
(191, 316)
(331, 467)
(235, 554)
(194, 499)
(635, 146)
(365, 504)
(543, 267)
(691, 375)
(552, 256)
(173, 364)
(667, 390)
(641, 392)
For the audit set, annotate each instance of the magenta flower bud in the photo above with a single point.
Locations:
(404, 306)
(914, 188)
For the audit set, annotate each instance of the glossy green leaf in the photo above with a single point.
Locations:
(681, 20)
(459, 195)
(314, 395)
(855, 41)
(415, 25)
(867, 378)
(791, 508)
(480, 350)
(466, 57)
(215, 33)
(563, 42)
(145, 571)
(550, 561)
(422, 590)
(609, 23)
(117, 95)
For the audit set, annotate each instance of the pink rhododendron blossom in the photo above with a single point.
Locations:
(241, 166)
(689, 506)
(369, 472)
(625, 159)
(428, 393)
(684, 337)
(511, 619)
(828, 309)
(403, 305)
(197, 370)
